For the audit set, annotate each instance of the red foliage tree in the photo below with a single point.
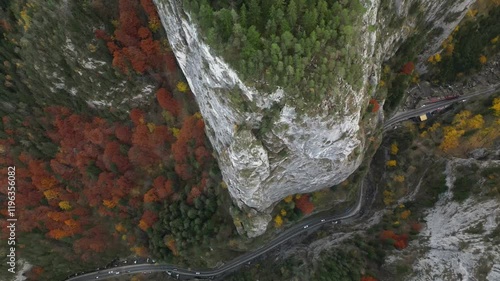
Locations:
(171, 62)
(112, 47)
(102, 35)
(368, 278)
(144, 32)
(408, 68)
(142, 158)
(304, 204)
(184, 171)
(141, 136)
(137, 59)
(123, 133)
(376, 105)
(416, 226)
(150, 8)
(150, 196)
(129, 21)
(148, 219)
(400, 241)
(202, 155)
(120, 62)
(137, 116)
(387, 234)
(167, 101)
(194, 193)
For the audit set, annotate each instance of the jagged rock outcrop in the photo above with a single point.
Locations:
(306, 147)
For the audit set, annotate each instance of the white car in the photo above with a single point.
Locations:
(197, 273)
(306, 226)
(322, 220)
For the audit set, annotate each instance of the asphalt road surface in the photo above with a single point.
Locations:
(434, 106)
(309, 225)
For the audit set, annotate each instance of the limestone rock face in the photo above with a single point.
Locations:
(305, 147)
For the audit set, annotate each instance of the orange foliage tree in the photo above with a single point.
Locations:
(304, 204)
(408, 68)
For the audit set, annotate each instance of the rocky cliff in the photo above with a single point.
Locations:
(307, 146)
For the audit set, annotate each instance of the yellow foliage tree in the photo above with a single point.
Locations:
(391, 163)
(197, 115)
(288, 199)
(451, 138)
(387, 69)
(182, 87)
(495, 40)
(25, 19)
(278, 221)
(434, 127)
(415, 78)
(381, 83)
(151, 127)
(399, 178)
(496, 106)
(119, 227)
(109, 203)
(65, 205)
(50, 193)
(394, 149)
(437, 57)
(483, 59)
(460, 119)
(450, 48)
(176, 132)
(283, 212)
(388, 197)
(471, 13)
(143, 225)
(405, 214)
(476, 122)
(154, 24)
(298, 196)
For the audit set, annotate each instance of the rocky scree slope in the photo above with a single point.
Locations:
(307, 146)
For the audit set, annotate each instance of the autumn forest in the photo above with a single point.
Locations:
(90, 186)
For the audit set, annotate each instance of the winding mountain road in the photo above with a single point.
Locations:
(306, 226)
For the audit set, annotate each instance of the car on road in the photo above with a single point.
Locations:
(306, 226)
(323, 220)
(135, 261)
(97, 277)
(197, 273)
(117, 272)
